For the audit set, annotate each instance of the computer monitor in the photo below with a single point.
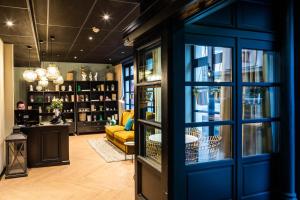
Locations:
(26, 117)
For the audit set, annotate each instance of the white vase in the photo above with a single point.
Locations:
(56, 112)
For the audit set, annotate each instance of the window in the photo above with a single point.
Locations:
(208, 103)
(260, 102)
(128, 86)
(149, 103)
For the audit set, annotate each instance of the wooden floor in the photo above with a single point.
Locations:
(88, 177)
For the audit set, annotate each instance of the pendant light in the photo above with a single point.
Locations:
(59, 80)
(29, 75)
(43, 82)
(52, 70)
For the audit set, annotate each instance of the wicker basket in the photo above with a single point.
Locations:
(206, 148)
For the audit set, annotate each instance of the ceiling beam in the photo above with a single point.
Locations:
(33, 26)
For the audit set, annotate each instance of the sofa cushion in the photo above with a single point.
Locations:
(124, 136)
(125, 116)
(111, 130)
(128, 125)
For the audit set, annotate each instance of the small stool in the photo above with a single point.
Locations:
(129, 144)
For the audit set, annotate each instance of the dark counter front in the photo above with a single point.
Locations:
(47, 145)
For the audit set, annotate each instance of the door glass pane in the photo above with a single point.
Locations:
(208, 103)
(152, 143)
(260, 102)
(126, 71)
(150, 103)
(260, 138)
(150, 65)
(131, 70)
(208, 64)
(259, 66)
(127, 86)
(207, 143)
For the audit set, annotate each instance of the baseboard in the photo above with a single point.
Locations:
(2, 173)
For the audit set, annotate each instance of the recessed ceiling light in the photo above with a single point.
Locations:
(91, 38)
(57, 55)
(122, 52)
(75, 57)
(109, 59)
(95, 29)
(9, 23)
(106, 17)
(81, 50)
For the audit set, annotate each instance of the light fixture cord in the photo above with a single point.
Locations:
(29, 57)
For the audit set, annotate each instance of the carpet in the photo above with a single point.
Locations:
(107, 150)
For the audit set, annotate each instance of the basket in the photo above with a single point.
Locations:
(206, 148)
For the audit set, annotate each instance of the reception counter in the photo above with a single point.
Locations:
(47, 145)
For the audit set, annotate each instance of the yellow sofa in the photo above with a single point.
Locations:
(117, 135)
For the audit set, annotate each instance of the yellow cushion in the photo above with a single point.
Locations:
(125, 136)
(112, 129)
(125, 116)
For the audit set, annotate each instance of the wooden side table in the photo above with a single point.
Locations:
(128, 144)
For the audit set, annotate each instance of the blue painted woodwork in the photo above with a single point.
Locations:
(254, 177)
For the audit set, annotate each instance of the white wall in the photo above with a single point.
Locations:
(64, 67)
(2, 121)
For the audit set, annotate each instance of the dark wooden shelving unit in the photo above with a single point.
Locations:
(86, 94)
(92, 98)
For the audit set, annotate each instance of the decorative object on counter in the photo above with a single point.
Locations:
(39, 88)
(31, 99)
(109, 74)
(89, 118)
(83, 73)
(70, 76)
(31, 88)
(57, 88)
(70, 88)
(16, 155)
(90, 76)
(82, 117)
(57, 106)
(96, 76)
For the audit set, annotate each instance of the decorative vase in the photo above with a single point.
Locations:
(56, 112)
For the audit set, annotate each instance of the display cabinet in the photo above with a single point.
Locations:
(96, 104)
(87, 105)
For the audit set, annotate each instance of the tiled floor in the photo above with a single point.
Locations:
(88, 177)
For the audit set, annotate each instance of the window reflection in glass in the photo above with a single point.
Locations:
(259, 66)
(207, 143)
(150, 103)
(208, 103)
(153, 143)
(260, 138)
(208, 64)
(260, 102)
(150, 65)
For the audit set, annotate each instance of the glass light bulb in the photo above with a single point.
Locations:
(29, 75)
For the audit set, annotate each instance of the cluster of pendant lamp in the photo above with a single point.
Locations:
(43, 76)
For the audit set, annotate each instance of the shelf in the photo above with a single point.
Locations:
(35, 102)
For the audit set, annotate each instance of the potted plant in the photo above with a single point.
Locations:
(57, 106)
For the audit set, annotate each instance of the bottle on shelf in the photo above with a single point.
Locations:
(86, 97)
(70, 88)
(66, 98)
(72, 98)
(112, 87)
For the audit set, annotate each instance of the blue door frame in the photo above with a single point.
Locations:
(285, 160)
